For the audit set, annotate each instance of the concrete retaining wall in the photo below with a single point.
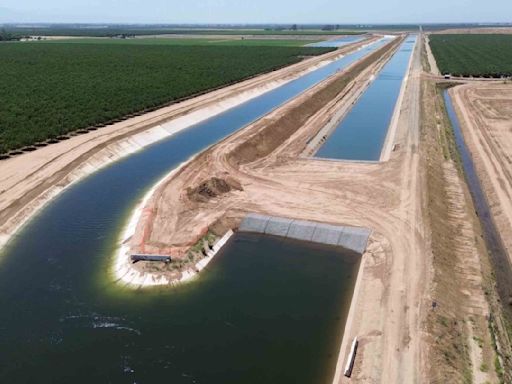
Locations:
(353, 238)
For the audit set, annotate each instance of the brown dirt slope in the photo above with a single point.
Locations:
(485, 112)
(461, 273)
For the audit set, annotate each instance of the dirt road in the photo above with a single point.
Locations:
(431, 59)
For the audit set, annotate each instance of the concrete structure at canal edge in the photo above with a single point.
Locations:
(352, 238)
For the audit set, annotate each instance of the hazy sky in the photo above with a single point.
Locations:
(257, 11)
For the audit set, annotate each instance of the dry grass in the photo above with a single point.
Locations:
(449, 355)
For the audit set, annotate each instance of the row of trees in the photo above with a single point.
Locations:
(473, 55)
(7, 36)
(47, 90)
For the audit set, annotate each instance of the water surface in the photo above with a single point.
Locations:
(361, 134)
(266, 310)
(338, 42)
(63, 319)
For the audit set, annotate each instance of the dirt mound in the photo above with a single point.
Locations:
(212, 188)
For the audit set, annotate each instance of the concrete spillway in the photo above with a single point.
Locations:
(352, 238)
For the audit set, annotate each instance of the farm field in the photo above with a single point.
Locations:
(114, 30)
(188, 41)
(473, 55)
(66, 87)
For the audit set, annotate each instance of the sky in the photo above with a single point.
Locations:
(255, 11)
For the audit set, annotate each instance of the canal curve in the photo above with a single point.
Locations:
(64, 320)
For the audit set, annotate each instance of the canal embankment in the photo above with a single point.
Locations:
(352, 238)
(500, 318)
(386, 197)
(190, 218)
(461, 306)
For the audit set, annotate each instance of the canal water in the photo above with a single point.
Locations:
(267, 310)
(339, 42)
(495, 247)
(361, 134)
(62, 319)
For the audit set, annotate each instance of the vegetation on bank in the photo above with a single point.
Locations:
(47, 90)
(473, 54)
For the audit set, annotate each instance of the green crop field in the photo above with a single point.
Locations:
(47, 90)
(114, 30)
(187, 41)
(473, 55)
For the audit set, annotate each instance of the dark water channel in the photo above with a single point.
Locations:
(338, 42)
(265, 310)
(495, 247)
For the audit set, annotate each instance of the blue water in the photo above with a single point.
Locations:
(340, 42)
(361, 134)
(63, 320)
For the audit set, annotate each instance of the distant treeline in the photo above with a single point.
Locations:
(116, 31)
(110, 30)
(9, 36)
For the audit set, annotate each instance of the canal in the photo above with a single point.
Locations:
(275, 314)
(361, 134)
(338, 42)
(495, 247)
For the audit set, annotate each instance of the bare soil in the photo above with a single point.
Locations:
(386, 197)
(497, 30)
(485, 114)
(460, 342)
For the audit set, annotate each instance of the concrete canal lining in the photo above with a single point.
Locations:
(352, 238)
